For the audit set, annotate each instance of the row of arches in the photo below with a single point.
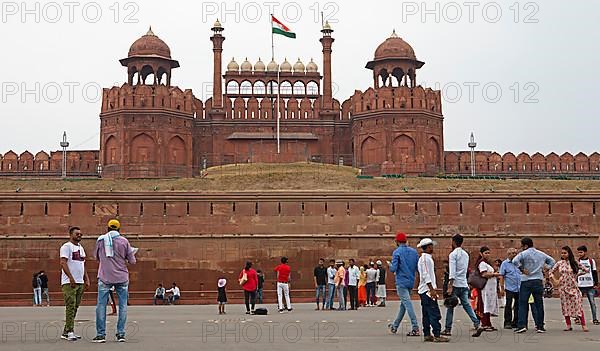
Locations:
(266, 108)
(144, 150)
(402, 151)
(261, 88)
(395, 77)
(157, 75)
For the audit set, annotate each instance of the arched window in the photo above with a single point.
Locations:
(233, 88)
(246, 88)
(312, 88)
(260, 88)
(286, 88)
(299, 89)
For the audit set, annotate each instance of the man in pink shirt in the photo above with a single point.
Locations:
(113, 251)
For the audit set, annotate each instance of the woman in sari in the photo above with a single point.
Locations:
(487, 301)
(362, 289)
(570, 296)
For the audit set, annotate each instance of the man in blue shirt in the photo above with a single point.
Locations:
(531, 262)
(512, 282)
(404, 266)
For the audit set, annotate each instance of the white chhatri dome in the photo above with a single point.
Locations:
(299, 66)
(259, 66)
(246, 66)
(272, 66)
(233, 66)
(312, 67)
(286, 66)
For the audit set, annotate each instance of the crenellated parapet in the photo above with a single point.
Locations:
(44, 164)
(147, 97)
(487, 162)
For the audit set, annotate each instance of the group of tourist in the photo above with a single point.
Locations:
(520, 277)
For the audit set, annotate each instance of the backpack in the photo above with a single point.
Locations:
(261, 311)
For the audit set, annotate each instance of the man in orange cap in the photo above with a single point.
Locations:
(404, 266)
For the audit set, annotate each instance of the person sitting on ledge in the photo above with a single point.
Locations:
(175, 294)
(159, 294)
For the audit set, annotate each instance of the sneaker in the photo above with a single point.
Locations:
(446, 332)
(508, 326)
(99, 340)
(247, 312)
(71, 337)
(120, 337)
(392, 329)
(281, 311)
(381, 304)
(596, 322)
(290, 309)
(541, 330)
(478, 332)
(428, 338)
(520, 330)
(438, 339)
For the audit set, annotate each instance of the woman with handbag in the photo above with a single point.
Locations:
(487, 302)
(571, 302)
(249, 281)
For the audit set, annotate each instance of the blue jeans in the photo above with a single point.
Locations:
(535, 288)
(259, 295)
(320, 291)
(37, 296)
(463, 298)
(405, 306)
(103, 291)
(331, 295)
(370, 287)
(431, 316)
(590, 292)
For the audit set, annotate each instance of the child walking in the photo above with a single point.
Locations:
(222, 294)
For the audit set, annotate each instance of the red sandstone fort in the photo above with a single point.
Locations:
(151, 128)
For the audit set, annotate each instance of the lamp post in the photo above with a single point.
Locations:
(64, 144)
(472, 145)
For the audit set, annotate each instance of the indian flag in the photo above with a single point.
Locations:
(282, 29)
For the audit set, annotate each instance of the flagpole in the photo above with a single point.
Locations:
(277, 101)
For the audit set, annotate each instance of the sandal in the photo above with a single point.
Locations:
(414, 333)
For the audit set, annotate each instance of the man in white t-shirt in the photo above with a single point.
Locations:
(427, 291)
(588, 282)
(176, 294)
(74, 280)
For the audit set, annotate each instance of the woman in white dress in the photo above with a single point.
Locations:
(487, 305)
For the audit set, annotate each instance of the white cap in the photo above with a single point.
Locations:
(379, 262)
(222, 282)
(425, 242)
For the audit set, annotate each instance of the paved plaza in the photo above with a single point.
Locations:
(200, 327)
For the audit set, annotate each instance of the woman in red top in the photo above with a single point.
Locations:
(249, 286)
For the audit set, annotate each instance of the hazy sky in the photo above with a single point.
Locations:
(521, 75)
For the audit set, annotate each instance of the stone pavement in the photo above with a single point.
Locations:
(200, 327)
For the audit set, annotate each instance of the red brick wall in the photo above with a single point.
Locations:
(191, 238)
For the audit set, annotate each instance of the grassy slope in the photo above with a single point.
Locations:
(299, 177)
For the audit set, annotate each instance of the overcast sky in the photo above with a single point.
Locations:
(542, 57)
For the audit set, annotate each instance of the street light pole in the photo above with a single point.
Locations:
(64, 144)
(472, 145)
